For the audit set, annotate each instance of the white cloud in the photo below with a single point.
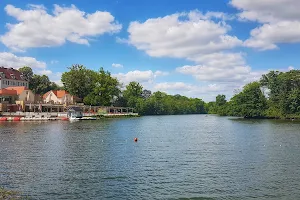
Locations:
(218, 67)
(139, 76)
(182, 35)
(207, 92)
(160, 73)
(280, 21)
(52, 62)
(116, 65)
(291, 68)
(37, 28)
(11, 60)
(44, 72)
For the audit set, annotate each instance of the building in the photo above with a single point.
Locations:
(10, 77)
(24, 94)
(8, 96)
(58, 97)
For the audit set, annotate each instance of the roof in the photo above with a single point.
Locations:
(19, 89)
(8, 72)
(58, 93)
(78, 109)
(8, 92)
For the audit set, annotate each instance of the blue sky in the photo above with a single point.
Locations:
(194, 48)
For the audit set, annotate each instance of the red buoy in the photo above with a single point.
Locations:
(135, 139)
(65, 119)
(17, 119)
(3, 119)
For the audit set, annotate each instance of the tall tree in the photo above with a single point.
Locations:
(106, 89)
(28, 74)
(40, 84)
(132, 93)
(79, 80)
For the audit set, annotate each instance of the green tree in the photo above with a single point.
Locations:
(132, 93)
(27, 72)
(105, 91)
(40, 84)
(79, 81)
(251, 102)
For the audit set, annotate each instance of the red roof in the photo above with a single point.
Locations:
(58, 93)
(19, 89)
(10, 72)
(8, 92)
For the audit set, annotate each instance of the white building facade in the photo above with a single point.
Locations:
(10, 77)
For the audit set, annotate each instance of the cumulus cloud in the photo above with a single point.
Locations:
(280, 21)
(207, 92)
(35, 27)
(11, 60)
(139, 76)
(116, 65)
(218, 67)
(182, 35)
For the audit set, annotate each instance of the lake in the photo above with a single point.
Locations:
(176, 157)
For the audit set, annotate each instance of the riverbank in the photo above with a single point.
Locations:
(41, 116)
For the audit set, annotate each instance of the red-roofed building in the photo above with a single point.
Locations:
(8, 96)
(58, 97)
(10, 77)
(24, 94)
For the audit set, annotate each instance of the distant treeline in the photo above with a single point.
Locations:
(276, 95)
(99, 88)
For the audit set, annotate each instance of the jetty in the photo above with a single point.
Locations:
(50, 112)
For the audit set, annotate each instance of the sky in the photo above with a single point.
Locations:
(196, 48)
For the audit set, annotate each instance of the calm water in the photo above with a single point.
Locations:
(176, 157)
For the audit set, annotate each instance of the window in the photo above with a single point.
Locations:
(7, 82)
(18, 83)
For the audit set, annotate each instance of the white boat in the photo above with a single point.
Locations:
(74, 118)
(75, 113)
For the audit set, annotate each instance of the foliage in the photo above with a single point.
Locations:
(276, 95)
(39, 84)
(106, 89)
(27, 72)
(79, 81)
(12, 195)
(132, 93)
(163, 104)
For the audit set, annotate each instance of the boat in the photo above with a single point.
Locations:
(75, 113)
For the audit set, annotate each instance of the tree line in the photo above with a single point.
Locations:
(275, 95)
(99, 88)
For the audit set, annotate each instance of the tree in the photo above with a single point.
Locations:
(40, 84)
(79, 81)
(251, 102)
(106, 89)
(132, 93)
(146, 94)
(27, 73)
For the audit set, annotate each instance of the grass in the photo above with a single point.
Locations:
(11, 195)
